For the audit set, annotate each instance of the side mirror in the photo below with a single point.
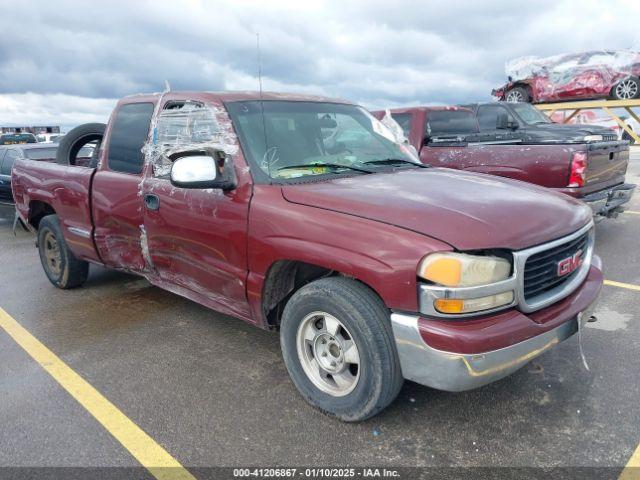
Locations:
(199, 170)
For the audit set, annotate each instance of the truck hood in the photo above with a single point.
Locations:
(468, 211)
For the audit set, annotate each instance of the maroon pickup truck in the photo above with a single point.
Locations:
(304, 214)
(559, 157)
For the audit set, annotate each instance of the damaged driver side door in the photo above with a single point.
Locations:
(196, 237)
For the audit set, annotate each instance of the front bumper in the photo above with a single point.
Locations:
(610, 200)
(459, 371)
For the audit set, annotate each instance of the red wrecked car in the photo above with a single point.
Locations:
(575, 76)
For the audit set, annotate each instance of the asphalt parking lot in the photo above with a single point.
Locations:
(213, 391)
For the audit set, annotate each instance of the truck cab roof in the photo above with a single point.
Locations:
(234, 96)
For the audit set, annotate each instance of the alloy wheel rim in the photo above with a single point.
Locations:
(515, 96)
(627, 89)
(52, 254)
(328, 354)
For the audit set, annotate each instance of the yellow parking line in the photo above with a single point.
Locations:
(151, 455)
(631, 211)
(630, 286)
(632, 470)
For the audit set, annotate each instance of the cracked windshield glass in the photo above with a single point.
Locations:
(287, 140)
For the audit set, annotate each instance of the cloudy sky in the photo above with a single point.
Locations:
(66, 62)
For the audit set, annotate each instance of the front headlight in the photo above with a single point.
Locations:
(464, 283)
(592, 138)
(462, 270)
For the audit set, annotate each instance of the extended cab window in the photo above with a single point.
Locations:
(404, 120)
(449, 122)
(488, 116)
(129, 133)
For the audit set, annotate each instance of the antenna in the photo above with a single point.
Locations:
(259, 65)
(264, 126)
(167, 86)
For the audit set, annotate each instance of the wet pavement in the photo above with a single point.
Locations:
(213, 390)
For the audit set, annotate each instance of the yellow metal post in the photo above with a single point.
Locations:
(604, 105)
(568, 119)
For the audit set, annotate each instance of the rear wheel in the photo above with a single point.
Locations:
(517, 94)
(626, 89)
(338, 346)
(60, 265)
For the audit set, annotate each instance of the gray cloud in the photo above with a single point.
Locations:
(377, 53)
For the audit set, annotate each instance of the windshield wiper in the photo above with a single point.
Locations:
(395, 161)
(335, 166)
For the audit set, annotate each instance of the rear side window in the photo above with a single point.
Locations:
(129, 133)
(404, 120)
(9, 158)
(448, 122)
(41, 153)
(488, 116)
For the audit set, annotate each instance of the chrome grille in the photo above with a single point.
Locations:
(541, 269)
(538, 283)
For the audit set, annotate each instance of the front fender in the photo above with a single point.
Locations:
(382, 256)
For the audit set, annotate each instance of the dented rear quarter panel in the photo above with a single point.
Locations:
(67, 190)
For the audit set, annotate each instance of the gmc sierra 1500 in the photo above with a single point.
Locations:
(303, 214)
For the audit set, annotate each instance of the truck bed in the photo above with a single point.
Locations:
(67, 190)
(547, 165)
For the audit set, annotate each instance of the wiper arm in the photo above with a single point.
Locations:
(394, 161)
(327, 165)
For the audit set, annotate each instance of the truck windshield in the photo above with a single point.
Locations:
(291, 139)
(448, 122)
(529, 114)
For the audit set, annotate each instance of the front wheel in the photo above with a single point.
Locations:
(517, 94)
(338, 346)
(60, 265)
(626, 89)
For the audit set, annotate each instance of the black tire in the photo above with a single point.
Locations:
(77, 138)
(629, 138)
(631, 82)
(66, 271)
(520, 92)
(366, 319)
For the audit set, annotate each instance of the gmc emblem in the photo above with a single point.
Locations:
(570, 264)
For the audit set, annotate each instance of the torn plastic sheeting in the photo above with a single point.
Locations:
(595, 71)
(562, 67)
(398, 134)
(192, 126)
(395, 128)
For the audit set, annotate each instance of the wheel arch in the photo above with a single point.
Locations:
(38, 209)
(523, 85)
(285, 277)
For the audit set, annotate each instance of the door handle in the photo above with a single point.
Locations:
(151, 201)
